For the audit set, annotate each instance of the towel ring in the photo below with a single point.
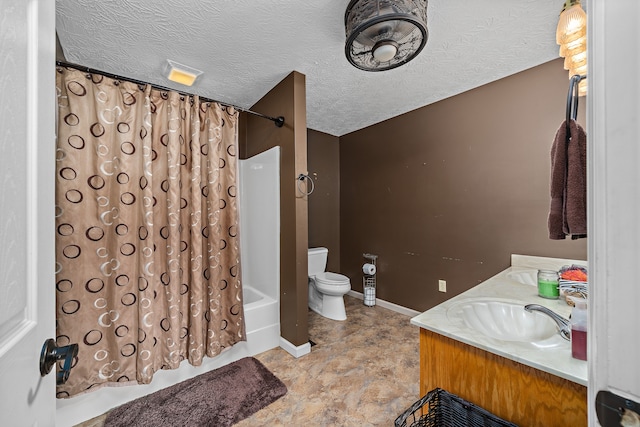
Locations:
(572, 99)
(300, 179)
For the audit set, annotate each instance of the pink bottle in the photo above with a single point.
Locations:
(579, 328)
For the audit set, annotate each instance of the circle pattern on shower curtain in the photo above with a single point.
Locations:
(147, 244)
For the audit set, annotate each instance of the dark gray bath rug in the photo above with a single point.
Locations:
(221, 397)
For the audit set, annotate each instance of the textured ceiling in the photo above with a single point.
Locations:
(245, 47)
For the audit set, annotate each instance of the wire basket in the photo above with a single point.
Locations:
(369, 289)
(439, 408)
(369, 282)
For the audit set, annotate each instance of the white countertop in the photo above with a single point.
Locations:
(552, 355)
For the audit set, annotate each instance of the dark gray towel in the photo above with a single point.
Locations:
(568, 211)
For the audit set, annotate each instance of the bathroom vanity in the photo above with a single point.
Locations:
(477, 346)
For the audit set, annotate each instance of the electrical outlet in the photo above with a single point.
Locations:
(442, 285)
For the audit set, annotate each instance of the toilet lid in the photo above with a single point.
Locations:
(328, 278)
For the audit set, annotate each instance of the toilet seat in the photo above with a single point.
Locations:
(332, 279)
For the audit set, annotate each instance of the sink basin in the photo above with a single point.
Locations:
(503, 320)
(526, 277)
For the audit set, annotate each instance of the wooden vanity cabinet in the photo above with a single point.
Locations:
(515, 392)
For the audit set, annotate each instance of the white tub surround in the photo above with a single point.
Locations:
(552, 355)
(260, 247)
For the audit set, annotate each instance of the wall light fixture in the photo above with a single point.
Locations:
(571, 35)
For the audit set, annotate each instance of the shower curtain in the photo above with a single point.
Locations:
(147, 244)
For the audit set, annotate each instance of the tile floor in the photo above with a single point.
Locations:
(361, 372)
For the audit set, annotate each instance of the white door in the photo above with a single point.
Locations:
(27, 156)
(614, 205)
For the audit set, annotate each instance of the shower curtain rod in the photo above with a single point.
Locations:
(278, 121)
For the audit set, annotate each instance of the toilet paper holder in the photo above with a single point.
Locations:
(369, 280)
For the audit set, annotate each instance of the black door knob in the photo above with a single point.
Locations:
(51, 354)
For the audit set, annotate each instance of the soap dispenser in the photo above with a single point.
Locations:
(579, 328)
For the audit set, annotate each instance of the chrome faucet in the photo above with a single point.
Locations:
(563, 324)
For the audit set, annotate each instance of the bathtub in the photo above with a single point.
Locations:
(262, 320)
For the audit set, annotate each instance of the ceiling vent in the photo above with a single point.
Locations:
(384, 34)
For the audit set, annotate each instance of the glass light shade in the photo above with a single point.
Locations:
(571, 35)
(572, 24)
(385, 52)
(181, 73)
(576, 46)
(576, 60)
(581, 70)
(582, 87)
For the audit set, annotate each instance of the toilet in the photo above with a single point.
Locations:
(326, 289)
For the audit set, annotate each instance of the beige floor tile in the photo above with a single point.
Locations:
(361, 372)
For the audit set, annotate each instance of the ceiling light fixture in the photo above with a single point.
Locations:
(181, 73)
(384, 34)
(571, 35)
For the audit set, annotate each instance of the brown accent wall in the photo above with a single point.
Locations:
(287, 99)
(324, 203)
(451, 190)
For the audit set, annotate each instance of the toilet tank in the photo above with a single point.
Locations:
(317, 259)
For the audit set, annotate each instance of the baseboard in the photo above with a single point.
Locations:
(386, 304)
(295, 351)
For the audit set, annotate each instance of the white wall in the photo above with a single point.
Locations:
(614, 200)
